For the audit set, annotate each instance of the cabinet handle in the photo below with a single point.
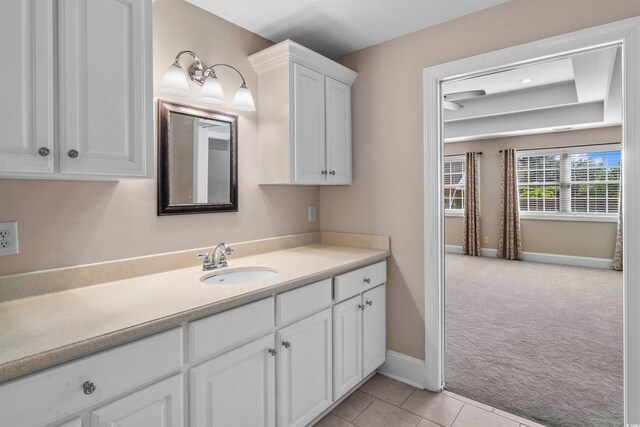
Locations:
(43, 151)
(332, 173)
(88, 387)
(369, 303)
(367, 280)
(73, 153)
(286, 344)
(273, 351)
(324, 172)
(361, 307)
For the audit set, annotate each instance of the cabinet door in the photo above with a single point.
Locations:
(304, 369)
(26, 85)
(105, 105)
(347, 345)
(159, 404)
(308, 126)
(338, 113)
(374, 328)
(235, 389)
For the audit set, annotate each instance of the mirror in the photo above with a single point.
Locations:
(197, 160)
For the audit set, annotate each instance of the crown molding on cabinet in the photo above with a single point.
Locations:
(291, 51)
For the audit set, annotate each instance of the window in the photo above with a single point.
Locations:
(574, 182)
(454, 182)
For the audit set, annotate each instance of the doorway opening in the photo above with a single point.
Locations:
(619, 38)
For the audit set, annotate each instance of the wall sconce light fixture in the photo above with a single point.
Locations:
(175, 83)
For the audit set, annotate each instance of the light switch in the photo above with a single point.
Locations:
(312, 213)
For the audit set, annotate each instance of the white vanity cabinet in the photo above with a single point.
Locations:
(159, 404)
(94, 120)
(236, 389)
(279, 361)
(304, 370)
(359, 326)
(304, 111)
(374, 329)
(45, 396)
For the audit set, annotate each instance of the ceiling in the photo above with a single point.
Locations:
(578, 92)
(337, 27)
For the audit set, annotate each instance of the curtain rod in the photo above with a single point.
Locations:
(566, 146)
(451, 155)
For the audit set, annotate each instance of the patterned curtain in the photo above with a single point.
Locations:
(471, 224)
(510, 242)
(617, 256)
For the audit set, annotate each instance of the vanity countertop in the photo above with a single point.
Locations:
(45, 330)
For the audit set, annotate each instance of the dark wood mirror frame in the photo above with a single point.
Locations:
(164, 206)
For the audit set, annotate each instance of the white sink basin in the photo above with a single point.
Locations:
(245, 275)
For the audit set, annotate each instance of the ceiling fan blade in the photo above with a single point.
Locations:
(448, 105)
(464, 95)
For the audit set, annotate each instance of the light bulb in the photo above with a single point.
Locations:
(211, 91)
(243, 100)
(175, 81)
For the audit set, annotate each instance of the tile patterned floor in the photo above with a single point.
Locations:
(383, 402)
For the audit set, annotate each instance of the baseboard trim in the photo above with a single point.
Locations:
(577, 261)
(403, 368)
(453, 249)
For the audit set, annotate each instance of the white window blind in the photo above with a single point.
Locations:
(577, 180)
(595, 181)
(539, 182)
(454, 183)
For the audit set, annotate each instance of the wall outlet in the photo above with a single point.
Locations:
(8, 238)
(311, 210)
(486, 239)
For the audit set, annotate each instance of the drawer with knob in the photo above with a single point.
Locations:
(357, 281)
(56, 392)
(301, 302)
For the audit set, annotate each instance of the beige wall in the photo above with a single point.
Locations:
(578, 238)
(64, 223)
(387, 192)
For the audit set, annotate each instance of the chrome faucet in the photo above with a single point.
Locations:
(218, 259)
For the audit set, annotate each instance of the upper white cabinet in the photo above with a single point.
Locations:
(26, 86)
(304, 116)
(309, 125)
(94, 121)
(338, 128)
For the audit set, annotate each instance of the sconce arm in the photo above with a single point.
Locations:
(192, 54)
(211, 69)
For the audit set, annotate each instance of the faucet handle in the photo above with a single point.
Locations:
(203, 255)
(228, 249)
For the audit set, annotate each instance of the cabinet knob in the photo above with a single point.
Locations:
(332, 173)
(367, 280)
(88, 387)
(286, 344)
(273, 351)
(324, 172)
(73, 153)
(361, 307)
(369, 303)
(43, 151)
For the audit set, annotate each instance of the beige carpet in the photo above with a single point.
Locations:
(538, 340)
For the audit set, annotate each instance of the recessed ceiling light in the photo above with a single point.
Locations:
(526, 80)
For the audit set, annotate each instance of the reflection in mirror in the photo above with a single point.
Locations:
(197, 153)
